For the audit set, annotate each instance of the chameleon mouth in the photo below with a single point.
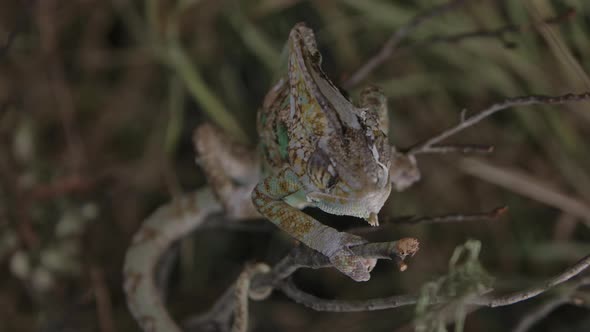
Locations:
(366, 207)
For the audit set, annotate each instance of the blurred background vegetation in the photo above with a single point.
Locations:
(98, 100)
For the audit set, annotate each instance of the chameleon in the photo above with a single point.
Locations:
(316, 148)
(316, 141)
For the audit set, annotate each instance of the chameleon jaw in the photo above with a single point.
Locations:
(367, 207)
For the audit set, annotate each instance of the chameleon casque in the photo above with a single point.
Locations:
(316, 149)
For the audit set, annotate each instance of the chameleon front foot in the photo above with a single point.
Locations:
(352, 261)
(356, 267)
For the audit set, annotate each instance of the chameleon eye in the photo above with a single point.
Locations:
(320, 170)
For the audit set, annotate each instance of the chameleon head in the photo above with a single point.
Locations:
(355, 178)
(342, 199)
(347, 157)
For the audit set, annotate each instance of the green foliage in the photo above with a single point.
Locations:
(466, 279)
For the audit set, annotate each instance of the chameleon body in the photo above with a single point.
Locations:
(317, 149)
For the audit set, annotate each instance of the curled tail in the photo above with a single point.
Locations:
(166, 225)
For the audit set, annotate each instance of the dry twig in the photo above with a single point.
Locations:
(429, 146)
(497, 33)
(539, 313)
(452, 218)
(461, 148)
(568, 296)
(319, 304)
(392, 44)
(396, 38)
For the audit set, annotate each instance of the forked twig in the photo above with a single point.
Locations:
(429, 146)
(508, 299)
(392, 44)
(395, 39)
(319, 304)
(497, 33)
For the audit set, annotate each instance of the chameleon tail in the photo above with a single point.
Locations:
(167, 224)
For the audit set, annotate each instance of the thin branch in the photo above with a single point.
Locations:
(568, 296)
(304, 257)
(497, 33)
(504, 300)
(217, 318)
(319, 304)
(492, 215)
(539, 313)
(316, 303)
(510, 102)
(459, 148)
(392, 44)
(452, 218)
(396, 38)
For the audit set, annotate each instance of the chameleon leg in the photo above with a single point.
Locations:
(232, 169)
(268, 198)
